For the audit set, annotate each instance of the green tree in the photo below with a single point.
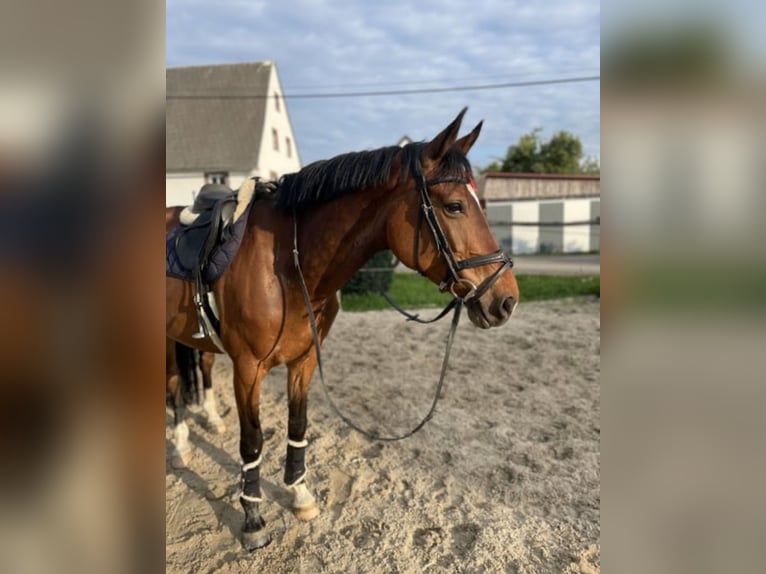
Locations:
(590, 165)
(562, 153)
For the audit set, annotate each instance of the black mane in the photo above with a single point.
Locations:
(325, 180)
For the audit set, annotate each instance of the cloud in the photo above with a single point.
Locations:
(397, 45)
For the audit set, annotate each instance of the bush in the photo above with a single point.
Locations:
(374, 276)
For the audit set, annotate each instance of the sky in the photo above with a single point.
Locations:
(322, 46)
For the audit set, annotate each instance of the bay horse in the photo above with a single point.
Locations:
(332, 216)
(182, 365)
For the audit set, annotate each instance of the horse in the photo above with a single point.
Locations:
(304, 242)
(182, 389)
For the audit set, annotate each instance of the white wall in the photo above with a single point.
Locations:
(577, 237)
(276, 160)
(236, 178)
(180, 188)
(526, 239)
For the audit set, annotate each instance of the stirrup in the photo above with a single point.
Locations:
(202, 333)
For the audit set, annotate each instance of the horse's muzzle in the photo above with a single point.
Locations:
(493, 314)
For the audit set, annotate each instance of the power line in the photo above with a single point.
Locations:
(383, 92)
(390, 84)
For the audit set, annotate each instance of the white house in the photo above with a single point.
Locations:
(224, 124)
(534, 212)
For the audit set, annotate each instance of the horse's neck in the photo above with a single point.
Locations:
(336, 239)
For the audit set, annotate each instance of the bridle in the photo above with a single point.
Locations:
(454, 266)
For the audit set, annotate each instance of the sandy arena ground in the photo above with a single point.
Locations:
(504, 478)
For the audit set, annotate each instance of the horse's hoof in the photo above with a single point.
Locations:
(181, 459)
(255, 540)
(304, 505)
(307, 512)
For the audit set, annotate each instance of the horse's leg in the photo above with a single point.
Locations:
(214, 420)
(181, 448)
(182, 452)
(298, 377)
(186, 359)
(248, 374)
(299, 374)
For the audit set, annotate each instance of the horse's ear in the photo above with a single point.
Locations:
(466, 142)
(446, 139)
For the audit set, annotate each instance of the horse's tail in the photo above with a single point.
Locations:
(187, 360)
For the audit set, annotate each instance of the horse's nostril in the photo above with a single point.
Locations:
(508, 305)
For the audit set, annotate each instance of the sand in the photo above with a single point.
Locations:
(504, 478)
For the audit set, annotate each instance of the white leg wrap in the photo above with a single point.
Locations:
(181, 437)
(298, 444)
(209, 404)
(214, 420)
(252, 465)
(298, 481)
(244, 496)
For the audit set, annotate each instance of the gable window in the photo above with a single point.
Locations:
(289, 147)
(275, 138)
(221, 177)
(276, 100)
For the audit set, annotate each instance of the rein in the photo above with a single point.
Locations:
(458, 305)
(454, 267)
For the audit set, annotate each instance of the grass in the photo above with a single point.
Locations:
(412, 291)
(560, 254)
(540, 287)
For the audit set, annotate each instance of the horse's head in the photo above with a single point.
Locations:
(443, 232)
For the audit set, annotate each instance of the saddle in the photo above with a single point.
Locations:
(205, 224)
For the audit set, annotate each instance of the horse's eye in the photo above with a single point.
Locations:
(455, 207)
